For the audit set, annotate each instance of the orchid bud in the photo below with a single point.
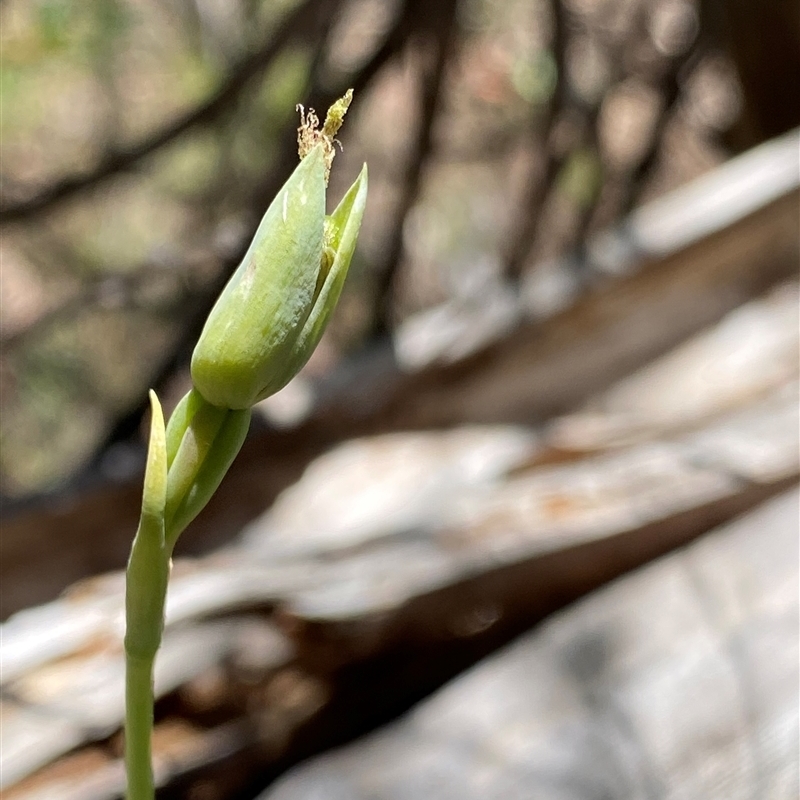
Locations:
(271, 315)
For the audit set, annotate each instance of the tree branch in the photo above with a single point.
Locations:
(116, 161)
(540, 181)
(441, 27)
(671, 95)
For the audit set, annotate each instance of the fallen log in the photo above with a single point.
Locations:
(680, 680)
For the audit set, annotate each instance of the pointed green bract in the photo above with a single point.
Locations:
(148, 565)
(197, 441)
(179, 421)
(227, 442)
(154, 495)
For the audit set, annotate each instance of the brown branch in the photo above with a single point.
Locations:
(626, 185)
(541, 190)
(541, 180)
(440, 22)
(391, 45)
(123, 290)
(116, 161)
(671, 95)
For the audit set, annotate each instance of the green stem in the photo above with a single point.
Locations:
(138, 727)
(184, 469)
(148, 571)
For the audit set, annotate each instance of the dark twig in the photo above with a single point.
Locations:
(392, 44)
(588, 139)
(120, 291)
(671, 95)
(541, 180)
(440, 28)
(116, 161)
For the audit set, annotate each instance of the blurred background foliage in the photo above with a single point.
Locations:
(143, 139)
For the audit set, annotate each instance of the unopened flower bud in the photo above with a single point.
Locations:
(271, 315)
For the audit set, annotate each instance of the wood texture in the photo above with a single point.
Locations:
(678, 681)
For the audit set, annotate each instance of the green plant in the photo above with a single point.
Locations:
(261, 331)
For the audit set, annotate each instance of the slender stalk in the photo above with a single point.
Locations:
(180, 477)
(145, 623)
(138, 727)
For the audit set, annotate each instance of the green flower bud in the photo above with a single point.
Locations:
(271, 315)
